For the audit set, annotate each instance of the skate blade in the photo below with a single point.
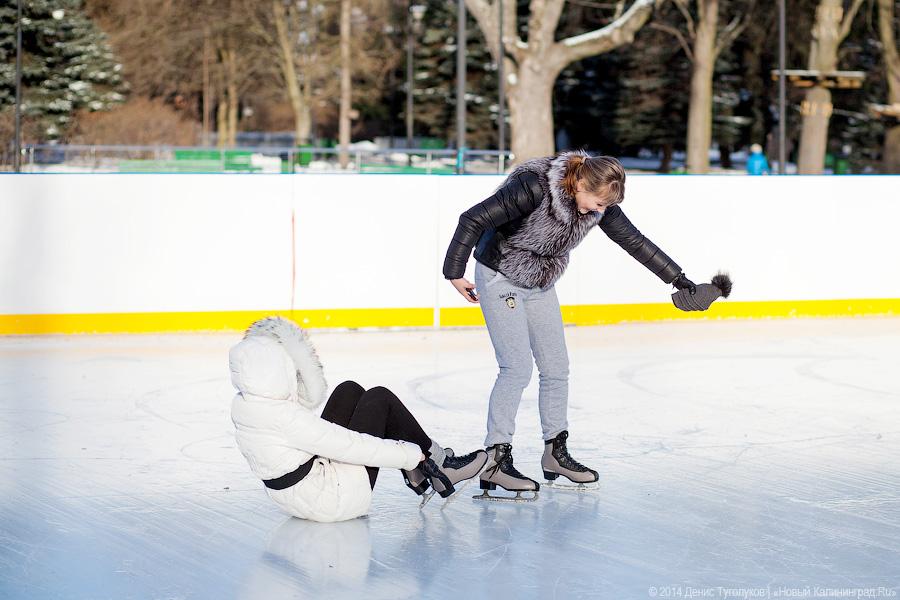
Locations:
(456, 494)
(425, 498)
(572, 487)
(484, 496)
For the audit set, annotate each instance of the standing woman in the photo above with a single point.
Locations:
(522, 235)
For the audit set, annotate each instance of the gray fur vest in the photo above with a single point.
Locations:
(537, 254)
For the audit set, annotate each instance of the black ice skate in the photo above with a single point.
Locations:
(556, 461)
(444, 478)
(501, 472)
(419, 483)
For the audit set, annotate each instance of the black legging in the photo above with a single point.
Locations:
(377, 412)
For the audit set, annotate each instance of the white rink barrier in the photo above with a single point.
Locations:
(162, 252)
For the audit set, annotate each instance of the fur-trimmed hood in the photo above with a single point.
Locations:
(538, 253)
(308, 385)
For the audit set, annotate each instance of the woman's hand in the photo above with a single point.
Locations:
(466, 289)
(683, 283)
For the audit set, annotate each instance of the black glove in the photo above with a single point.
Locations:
(701, 296)
(683, 283)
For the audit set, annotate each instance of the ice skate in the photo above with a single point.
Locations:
(501, 472)
(419, 483)
(557, 461)
(453, 470)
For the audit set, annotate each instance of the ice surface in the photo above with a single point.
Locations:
(732, 453)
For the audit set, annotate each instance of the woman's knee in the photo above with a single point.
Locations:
(554, 369)
(518, 374)
(379, 395)
(350, 388)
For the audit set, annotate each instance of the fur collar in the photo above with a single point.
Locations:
(536, 255)
(552, 171)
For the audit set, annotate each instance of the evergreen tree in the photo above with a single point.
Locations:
(434, 88)
(66, 63)
(626, 100)
(586, 92)
(651, 110)
(852, 126)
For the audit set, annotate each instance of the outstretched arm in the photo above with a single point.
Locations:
(623, 232)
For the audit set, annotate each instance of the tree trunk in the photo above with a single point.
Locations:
(816, 108)
(892, 150)
(699, 126)
(531, 112)
(232, 115)
(665, 161)
(892, 66)
(222, 123)
(344, 117)
(221, 96)
(206, 88)
(289, 70)
(227, 110)
(532, 65)
(725, 155)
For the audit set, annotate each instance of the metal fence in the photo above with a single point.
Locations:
(55, 158)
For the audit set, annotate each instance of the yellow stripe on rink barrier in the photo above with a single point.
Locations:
(607, 314)
(597, 314)
(171, 322)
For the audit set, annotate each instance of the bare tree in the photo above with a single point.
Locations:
(892, 66)
(532, 65)
(707, 42)
(293, 32)
(166, 55)
(830, 28)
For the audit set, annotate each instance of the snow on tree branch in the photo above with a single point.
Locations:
(619, 32)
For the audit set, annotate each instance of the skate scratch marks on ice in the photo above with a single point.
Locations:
(64, 418)
(806, 370)
(143, 401)
(415, 385)
(629, 375)
(226, 436)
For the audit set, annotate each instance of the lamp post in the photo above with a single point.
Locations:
(17, 157)
(782, 112)
(413, 26)
(501, 125)
(460, 85)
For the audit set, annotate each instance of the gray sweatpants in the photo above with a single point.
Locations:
(523, 322)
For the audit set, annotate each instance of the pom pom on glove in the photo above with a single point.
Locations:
(690, 297)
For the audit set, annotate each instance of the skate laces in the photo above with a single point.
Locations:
(505, 463)
(561, 453)
(433, 471)
(454, 462)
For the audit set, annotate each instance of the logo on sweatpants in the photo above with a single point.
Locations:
(510, 298)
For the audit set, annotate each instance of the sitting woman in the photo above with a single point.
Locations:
(324, 468)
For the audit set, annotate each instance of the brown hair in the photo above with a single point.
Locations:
(596, 172)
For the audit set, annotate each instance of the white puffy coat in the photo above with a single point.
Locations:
(277, 432)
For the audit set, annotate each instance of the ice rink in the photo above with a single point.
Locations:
(751, 455)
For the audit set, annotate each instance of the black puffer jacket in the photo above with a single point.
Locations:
(490, 224)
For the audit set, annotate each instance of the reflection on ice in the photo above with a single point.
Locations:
(315, 557)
